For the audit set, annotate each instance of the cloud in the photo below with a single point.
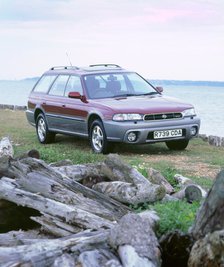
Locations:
(155, 36)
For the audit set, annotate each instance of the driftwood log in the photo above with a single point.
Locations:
(156, 177)
(117, 180)
(189, 190)
(210, 216)
(185, 181)
(84, 220)
(40, 187)
(132, 237)
(6, 148)
(208, 251)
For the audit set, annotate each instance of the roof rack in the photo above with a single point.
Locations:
(64, 68)
(105, 65)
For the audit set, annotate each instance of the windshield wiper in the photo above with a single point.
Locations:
(124, 95)
(151, 93)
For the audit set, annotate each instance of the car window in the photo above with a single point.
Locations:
(138, 85)
(74, 85)
(58, 87)
(44, 83)
(116, 84)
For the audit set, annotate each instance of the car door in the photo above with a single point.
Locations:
(54, 104)
(75, 110)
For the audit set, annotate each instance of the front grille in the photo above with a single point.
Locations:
(162, 116)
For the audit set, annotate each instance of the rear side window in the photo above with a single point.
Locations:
(58, 88)
(44, 83)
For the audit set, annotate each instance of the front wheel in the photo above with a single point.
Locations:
(43, 134)
(98, 139)
(177, 144)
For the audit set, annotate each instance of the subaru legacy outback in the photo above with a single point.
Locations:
(108, 104)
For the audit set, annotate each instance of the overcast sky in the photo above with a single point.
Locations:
(160, 39)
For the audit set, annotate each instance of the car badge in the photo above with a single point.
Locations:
(164, 116)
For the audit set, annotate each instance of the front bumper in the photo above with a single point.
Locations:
(118, 131)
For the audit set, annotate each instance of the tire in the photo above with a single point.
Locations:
(177, 144)
(98, 138)
(43, 134)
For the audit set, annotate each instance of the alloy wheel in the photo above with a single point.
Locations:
(41, 129)
(97, 138)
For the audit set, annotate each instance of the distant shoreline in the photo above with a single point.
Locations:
(12, 107)
(153, 81)
(187, 83)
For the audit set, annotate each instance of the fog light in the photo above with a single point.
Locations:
(132, 136)
(193, 130)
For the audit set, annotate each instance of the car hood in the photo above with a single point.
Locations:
(143, 104)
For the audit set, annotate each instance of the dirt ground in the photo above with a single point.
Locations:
(196, 168)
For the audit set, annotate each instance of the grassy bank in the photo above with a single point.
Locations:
(199, 161)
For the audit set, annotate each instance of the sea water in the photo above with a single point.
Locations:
(207, 100)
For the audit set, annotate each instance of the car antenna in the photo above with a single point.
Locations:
(69, 59)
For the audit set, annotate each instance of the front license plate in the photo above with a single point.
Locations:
(167, 133)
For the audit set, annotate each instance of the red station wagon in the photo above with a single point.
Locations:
(108, 104)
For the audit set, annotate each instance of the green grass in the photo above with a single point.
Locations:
(23, 136)
(174, 215)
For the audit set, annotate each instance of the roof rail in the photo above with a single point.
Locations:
(64, 68)
(105, 65)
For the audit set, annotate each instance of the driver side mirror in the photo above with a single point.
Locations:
(159, 89)
(74, 95)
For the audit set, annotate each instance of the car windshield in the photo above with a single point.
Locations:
(117, 85)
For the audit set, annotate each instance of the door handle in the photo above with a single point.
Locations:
(63, 105)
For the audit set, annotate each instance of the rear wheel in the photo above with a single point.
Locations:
(43, 134)
(177, 144)
(98, 139)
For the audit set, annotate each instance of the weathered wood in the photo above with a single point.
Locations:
(185, 181)
(129, 257)
(127, 184)
(45, 253)
(18, 238)
(210, 216)
(208, 251)
(55, 226)
(98, 258)
(6, 148)
(136, 232)
(61, 163)
(38, 182)
(131, 194)
(66, 207)
(151, 217)
(181, 180)
(117, 170)
(156, 177)
(191, 192)
(9, 190)
(115, 208)
(65, 260)
(82, 171)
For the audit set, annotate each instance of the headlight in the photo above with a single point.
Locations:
(189, 112)
(127, 117)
